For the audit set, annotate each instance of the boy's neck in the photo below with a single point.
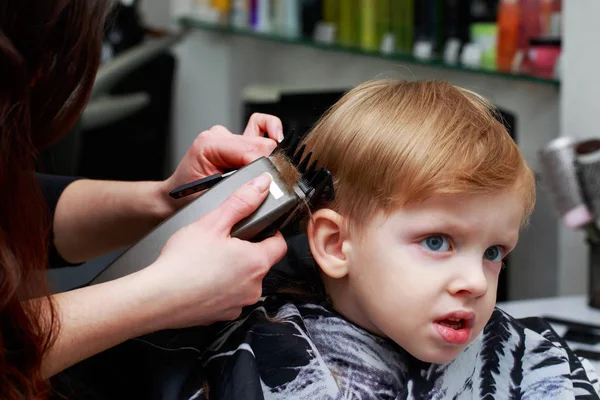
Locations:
(340, 293)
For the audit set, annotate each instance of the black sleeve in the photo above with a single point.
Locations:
(52, 187)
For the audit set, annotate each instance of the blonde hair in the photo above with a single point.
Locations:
(389, 143)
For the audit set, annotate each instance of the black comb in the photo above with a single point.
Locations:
(317, 184)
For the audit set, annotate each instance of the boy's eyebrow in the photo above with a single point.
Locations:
(435, 221)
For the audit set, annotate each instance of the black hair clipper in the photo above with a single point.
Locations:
(282, 207)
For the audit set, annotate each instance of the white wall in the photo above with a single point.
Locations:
(580, 110)
(214, 69)
(156, 13)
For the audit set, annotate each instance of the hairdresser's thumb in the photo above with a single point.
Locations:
(243, 202)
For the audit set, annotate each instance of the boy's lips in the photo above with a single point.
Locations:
(455, 327)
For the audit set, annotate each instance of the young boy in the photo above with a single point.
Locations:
(431, 193)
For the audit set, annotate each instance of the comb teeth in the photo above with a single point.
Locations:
(298, 156)
(317, 184)
(312, 167)
(302, 166)
(289, 144)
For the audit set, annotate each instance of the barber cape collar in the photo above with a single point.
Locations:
(280, 349)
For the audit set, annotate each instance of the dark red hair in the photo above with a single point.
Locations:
(49, 56)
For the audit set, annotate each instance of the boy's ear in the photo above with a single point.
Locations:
(328, 244)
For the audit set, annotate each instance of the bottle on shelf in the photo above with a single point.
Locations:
(508, 34)
(529, 27)
(348, 32)
(240, 15)
(286, 16)
(368, 25)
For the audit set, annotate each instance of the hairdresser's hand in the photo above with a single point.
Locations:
(203, 275)
(217, 150)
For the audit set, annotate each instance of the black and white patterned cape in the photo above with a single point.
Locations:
(279, 349)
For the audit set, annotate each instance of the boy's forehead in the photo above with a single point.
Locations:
(456, 202)
(463, 211)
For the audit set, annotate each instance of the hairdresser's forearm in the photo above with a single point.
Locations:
(96, 318)
(95, 217)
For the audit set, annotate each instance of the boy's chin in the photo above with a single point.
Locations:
(435, 355)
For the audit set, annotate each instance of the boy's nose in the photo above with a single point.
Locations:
(470, 280)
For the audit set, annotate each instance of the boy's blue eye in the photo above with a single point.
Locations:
(436, 243)
(493, 254)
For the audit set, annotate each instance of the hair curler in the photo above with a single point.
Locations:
(559, 170)
(588, 167)
(283, 206)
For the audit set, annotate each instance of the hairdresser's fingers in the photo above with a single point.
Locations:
(220, 129)
(260, 123)
(263, 148)
(243, 202)
(235, 151)
(230, 152)
(272, 250)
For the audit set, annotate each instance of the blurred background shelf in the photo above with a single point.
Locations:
(189, 22)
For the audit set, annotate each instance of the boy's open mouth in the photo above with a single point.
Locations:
(454, 323)
(455, 328)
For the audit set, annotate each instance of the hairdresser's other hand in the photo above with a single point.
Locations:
(203, 275)
(217, 150)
